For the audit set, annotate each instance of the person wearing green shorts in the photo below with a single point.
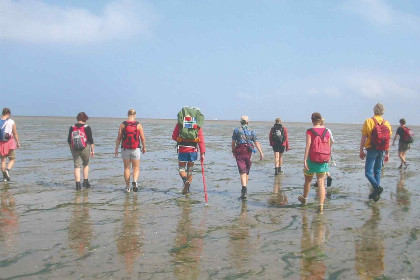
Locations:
(310, 167)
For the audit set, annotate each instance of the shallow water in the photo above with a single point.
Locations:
(50, 230)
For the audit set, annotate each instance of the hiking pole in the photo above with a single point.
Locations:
(204, 182)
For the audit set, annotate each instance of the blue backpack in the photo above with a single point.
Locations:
(4, 137)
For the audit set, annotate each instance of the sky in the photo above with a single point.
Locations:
(264, 59)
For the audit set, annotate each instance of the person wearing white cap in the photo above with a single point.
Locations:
(244, 142)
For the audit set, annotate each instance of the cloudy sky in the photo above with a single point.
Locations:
(261, 58)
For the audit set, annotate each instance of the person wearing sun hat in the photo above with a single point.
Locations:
(244, 142)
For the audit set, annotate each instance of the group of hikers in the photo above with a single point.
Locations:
(188, 134)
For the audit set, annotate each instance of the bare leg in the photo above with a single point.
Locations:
(85, 172)
(3, 164)
(321, 187)
(11, 163)
(77, 174)
(127, 172)
(244, 179)
(182, 169)
(307, 185)
(135, 163)
(277, 159)
(189, 171)
(280, 159)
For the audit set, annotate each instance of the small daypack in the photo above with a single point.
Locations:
(190, 120)
(380, 136)
(320, 150)
(278, 134)
(408, 136)
(78, 137)
(130, 138)
(4, 137)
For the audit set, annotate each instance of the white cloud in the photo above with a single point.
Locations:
(380, 13)
(34, 21)
(361, 83)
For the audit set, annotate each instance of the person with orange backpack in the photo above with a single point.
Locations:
(376, 136)
(406, 137)
(82, 148)
(131, 137)
(316, 158)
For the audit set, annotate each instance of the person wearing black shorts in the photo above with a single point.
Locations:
(279, 140)
(402, 145)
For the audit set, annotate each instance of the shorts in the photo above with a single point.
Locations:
(243, 159)
(315, 167)
(187, 157)
(81, 157)
(279, 149)
(402, 146)
(11, 155)
(130, 153)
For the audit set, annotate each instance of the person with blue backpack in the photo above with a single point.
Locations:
(9, 141)
(244, 141)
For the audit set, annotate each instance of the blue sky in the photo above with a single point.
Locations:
(265, 59)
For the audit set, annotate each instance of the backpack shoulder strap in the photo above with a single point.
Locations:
(314, 132)
(377, 123)
(324, 133)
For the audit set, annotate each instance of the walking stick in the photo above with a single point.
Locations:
(204, 182)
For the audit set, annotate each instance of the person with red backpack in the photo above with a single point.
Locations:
(317, 156)
(376, 136)
(82, 148)
(406, 137)
(131, 137)
(279, 140)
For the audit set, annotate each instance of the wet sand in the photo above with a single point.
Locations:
(48, 230)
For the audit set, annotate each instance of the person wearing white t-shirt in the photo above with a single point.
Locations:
(9, 141)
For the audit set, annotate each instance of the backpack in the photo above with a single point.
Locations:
(130, 138)
(190, 120)
(380, 136)
(78, 138)
(4, 137)
(278, 134)
(408, 136)
(320, 150)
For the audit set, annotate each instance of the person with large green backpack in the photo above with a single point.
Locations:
(189, 136)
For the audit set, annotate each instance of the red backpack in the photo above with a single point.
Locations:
(78, 138)
(408, 136)
(130, 138)
(381, 136)
(320, 150)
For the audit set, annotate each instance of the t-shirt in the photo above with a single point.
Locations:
(243, 135)
(368, 127)
(9, 126)
(88, 132)
(400, 132)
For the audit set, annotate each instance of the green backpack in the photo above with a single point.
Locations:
(190, 119)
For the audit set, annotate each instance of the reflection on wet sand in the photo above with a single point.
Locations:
(241, 246)
(312, 242)
(9, 220)
(80, 227)
(278, 197)
(129, 240)
(188, 245)
(370, 249)
(403, 196)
